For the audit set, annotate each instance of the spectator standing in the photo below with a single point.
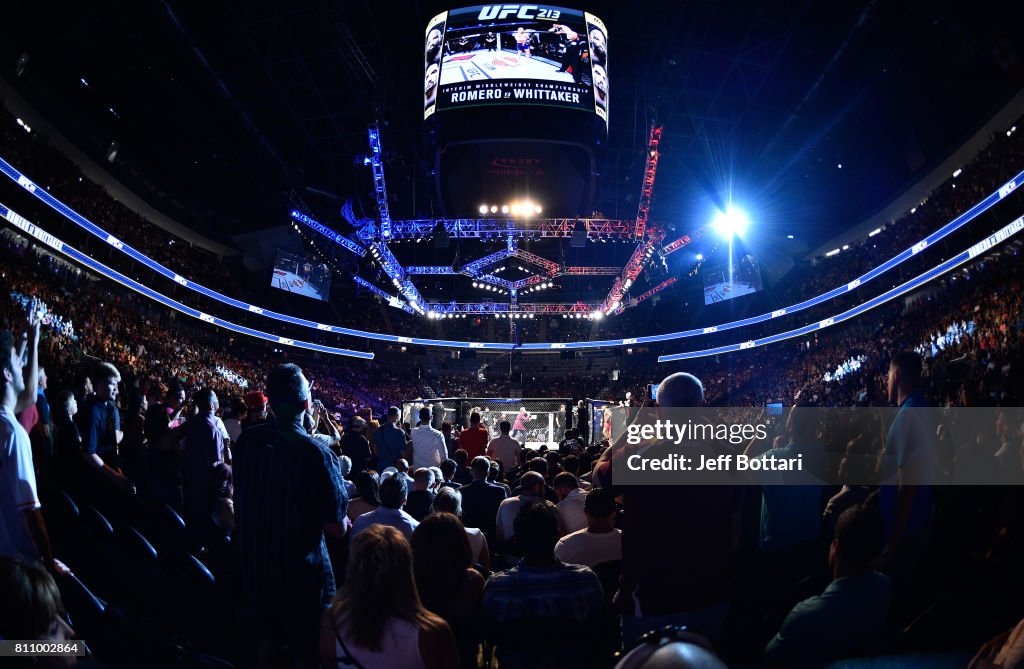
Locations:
(481, 500)
(428, 448)
(390, 441)
(474, 438)
(289, 495)
(504, 448)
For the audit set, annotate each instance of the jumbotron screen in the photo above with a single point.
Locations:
(301, 275)
(516, 54)
(736, 278)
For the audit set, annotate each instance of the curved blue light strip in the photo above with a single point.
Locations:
(921, 279)
(957, 223)
(56, 244)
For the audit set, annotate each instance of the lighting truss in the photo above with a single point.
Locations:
(674, 246)
(338, 238)
(548, 266)
(647, 188)
(430, 269)
(377, 163)
(591, 271)
(501, 228)
(502, 308)
(474, 268)
(396, 302)
(394, 270)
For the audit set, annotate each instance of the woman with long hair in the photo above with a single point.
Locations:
(377, 619)
(446, 579)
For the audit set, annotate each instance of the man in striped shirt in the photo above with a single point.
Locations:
(289, 496)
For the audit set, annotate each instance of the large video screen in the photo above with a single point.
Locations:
(301, 275)
(736, 278)
(516, 54)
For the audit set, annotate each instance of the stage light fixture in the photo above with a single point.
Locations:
(515, 209)
(731, 223)
(537, 209)
(504, 209)
(483, 209)
(598, 315)
(700, 257)
(494, 209)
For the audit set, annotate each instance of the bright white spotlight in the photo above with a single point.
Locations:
(504, 209)
(731, 222)
(700, 256)
(598, 315)
(515, 209)
(494, 209)
(537, 209)
(483, 209)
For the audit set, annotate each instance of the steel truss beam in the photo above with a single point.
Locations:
(500, 228)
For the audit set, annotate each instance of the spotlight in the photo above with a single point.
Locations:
(731, 222)
(515, 209)
(531, 315)
(494, 209)
(483, 209)
(537, 209)
(597, 315)
(700, 256)
(504, 209)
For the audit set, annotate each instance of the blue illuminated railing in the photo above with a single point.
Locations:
(921, 279)
(410, 292)
(57, 245)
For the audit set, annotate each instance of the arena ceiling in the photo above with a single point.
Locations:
(222, 108)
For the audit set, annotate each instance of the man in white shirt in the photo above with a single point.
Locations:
(505, 449)
(600, 541)
(570, 502)
(531, 490)
(22, 529)
(428, 447)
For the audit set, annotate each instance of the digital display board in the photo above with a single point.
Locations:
(741, 276)
(301, 275)
(518, 55)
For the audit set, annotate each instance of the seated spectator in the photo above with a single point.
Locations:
(368, 495)
(448, 468)
(377, 619)
(31, 608)
(421, 496)
(571, 464)
(504, 448)
(523, 605)
(449, 500)
(600, 541)
(848, 618)
(402, 467)
(494, 476)
(531, 490)
(570, 502)
(481, 499)
(540, 465)
(671, 648)
(447, 582)
(346, 471)
(462, 474)
(393, 494)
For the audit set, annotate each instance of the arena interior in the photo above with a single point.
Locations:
(693, 330)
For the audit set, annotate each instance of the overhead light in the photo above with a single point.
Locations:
(832, 253)
(874, 232)
(731, 222)
(839, 165)
(504, 208)
(483, 209)
(700, 256)
(957, 173)
(597, 314)
(494, 209)
(537, 209)
(515, 209)
(789, 236)
(846, 247)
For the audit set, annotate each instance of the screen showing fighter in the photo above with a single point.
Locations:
(432, 62)
(300, 275)
(517, 54)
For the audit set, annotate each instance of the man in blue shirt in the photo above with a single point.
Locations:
(101, 433)
(848, 618)
(390, 441)
(908, 471)
(394, 492)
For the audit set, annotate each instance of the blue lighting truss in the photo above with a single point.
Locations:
(395, 302)
(377, 163)
(474, 268)
(394, 270)
(94, 265)
(430, 269)
(501, 228)
(336, 237)
(960, 221)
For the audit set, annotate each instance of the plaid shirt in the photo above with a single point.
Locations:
(286, 489)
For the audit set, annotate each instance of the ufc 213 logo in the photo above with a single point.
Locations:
(528, 12)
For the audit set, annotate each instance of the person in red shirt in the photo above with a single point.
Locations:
(474, 438)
